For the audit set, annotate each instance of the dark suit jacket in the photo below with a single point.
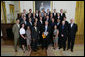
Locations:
(63, 31)
(35, 34)
(28, 24)
(61, 17)
(48, 30)
(48, 14)
(37, 16)
(55, 17)
(73, 30)
(28, 14)
(40, 26)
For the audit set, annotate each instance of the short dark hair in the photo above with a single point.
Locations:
(17, 19)
(30, 9)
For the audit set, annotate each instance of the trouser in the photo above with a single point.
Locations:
(60, 42)
(15, 43)
(34, 45)
(45, 43)
(64, 43)
(71, 41)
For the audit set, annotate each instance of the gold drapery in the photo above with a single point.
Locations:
(79, 17)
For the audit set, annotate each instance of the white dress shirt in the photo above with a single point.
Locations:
(18, 25)
(71, 25)
(54, 14)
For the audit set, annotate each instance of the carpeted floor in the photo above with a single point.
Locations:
(7, 49)
(78, 51)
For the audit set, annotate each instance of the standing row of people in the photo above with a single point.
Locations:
(44, 28)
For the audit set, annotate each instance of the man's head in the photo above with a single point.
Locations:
(17, 21)
(40, 17)
(52, 19)
(58, 20)
(55, 10)
(29, 19)
(47, 10)
(24, 10)
(63, 22)
(36, 11)
(30, 10)
(24, 18)
(64, 18)
(46, 22)
(61, 10)
(47, 17)
(72, 20)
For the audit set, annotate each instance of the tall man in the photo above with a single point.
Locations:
(15, 30)
(55, 14)
(72, 33)
(62, 15)
(46, 31)
(62, 36)
(35, 36)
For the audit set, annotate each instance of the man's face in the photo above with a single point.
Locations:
(61, 10)
(48, 10)
(71, 20)
(54, 10)
(24, 11)
(18, 21)
(63, 22)
(40, 18)
(36, 11)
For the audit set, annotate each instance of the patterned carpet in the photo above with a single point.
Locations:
(9, 51)
(78, 51)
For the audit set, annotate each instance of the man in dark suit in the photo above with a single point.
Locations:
(48, 13)
(55, 14)
(62, 15)
(40, 27)
(72, 33)
(24, 12)
(30, 24)
(31, 14)
(58, 23)
(62, 36)
(48, 19)
(35, 36)
(24, 21)
(46, 31)
(37, 14)
(52, 29)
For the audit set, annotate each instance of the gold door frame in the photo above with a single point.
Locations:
(12, 12)
(51, 6)
(3, 9)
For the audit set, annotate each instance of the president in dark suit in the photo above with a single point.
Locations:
(46, 31)
(72, 33)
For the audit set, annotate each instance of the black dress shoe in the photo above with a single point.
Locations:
(71, 50)
(68, 48)
(15, 50)
(59, 48)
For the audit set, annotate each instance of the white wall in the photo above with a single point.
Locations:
(69, 6)
(26, 5)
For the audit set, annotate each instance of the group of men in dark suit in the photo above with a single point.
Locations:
(41, 22)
